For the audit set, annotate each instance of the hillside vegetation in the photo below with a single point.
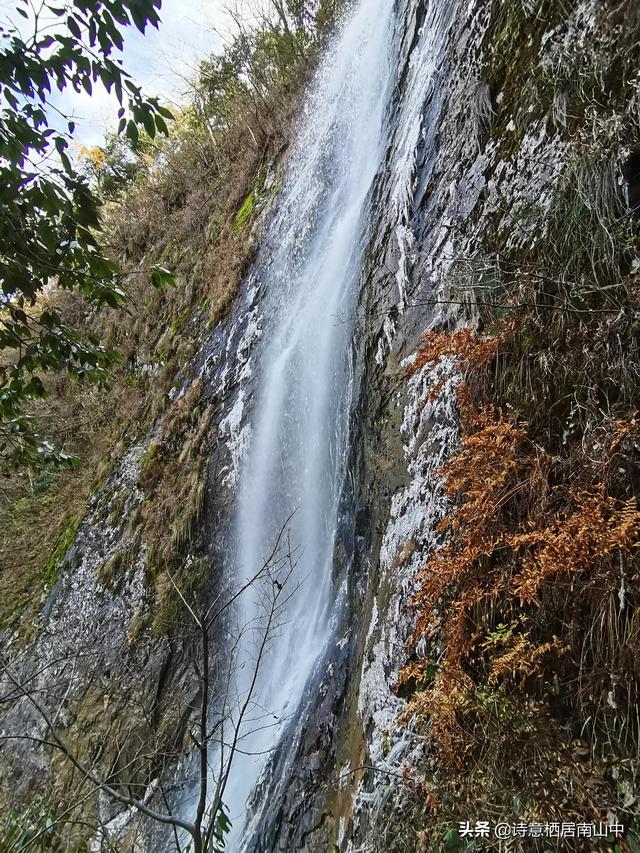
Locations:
(185, 204)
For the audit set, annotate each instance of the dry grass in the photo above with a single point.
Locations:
(532, 598)
(188, 225)
(523, 667)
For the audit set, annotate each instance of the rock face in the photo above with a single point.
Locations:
(472, 148)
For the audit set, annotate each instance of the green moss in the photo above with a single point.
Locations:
(258, 194)
(140, 622)
(246, 211)
(180, 321)
(55, 563)
(112, 572)
(24, 575)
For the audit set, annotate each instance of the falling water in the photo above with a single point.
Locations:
(293, 477)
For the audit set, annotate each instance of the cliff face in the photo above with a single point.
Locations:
(493, 106)
(494, 115)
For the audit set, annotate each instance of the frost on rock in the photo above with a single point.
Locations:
(83, 625)
(79, 604)
(430, 435)
(228, 371)
(237, 437)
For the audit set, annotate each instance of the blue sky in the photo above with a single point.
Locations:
(162, 61)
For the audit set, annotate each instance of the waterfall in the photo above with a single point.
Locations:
(293, 476)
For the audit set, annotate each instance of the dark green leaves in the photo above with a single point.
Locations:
(132, 132)
(161, 277)
(49, 214)
(222, 828)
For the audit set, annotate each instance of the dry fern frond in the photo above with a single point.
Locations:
(521, 535)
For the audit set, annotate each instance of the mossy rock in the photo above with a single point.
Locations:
(259, 193)
(55, 563)
(151, 466)
(112, 572)
(140, 622)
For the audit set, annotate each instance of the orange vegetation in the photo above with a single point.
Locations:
(530, 540)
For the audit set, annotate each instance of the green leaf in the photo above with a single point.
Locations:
(161, 125)
(149, 123)
(132, 132)
(50, 214)
(74, 29)
(452, 839)
(161, 277)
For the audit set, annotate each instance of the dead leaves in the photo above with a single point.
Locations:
(520, 530)
(469, 349)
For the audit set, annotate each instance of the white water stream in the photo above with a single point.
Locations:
(293, 477)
